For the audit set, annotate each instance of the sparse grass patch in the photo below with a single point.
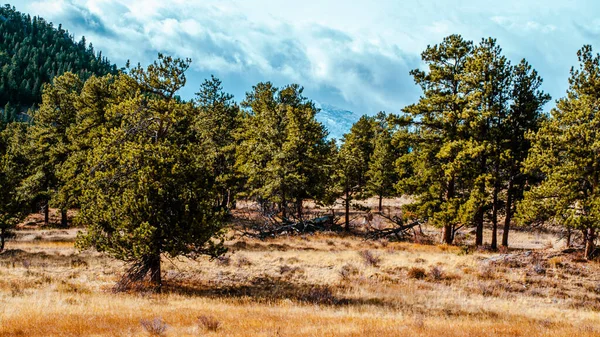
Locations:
(209, 323)
(370, 258)
(155, 327)
(417, 273)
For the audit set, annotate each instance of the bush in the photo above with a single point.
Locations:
(155, 327)
(417, 273)
(370, 258)
(209, 323)
(436, 273)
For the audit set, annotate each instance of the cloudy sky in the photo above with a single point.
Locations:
(355, 55)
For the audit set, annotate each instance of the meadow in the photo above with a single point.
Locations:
(325, 284)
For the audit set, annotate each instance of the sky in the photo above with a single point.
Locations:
(355, 55)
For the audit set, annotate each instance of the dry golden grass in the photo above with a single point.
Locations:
(313, 285)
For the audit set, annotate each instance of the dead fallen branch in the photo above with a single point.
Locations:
(399, 231)
(274, 227)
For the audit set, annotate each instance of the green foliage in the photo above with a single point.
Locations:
(565, 151)
(381, 175)
(144, 186)
(219, 119)
(283, 149)
(12, 161)
(33, 52)
(48, 145)
(463, 142)
(352, 163)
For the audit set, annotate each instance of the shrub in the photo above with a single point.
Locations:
(209, 323)
(436, 273)
(417, 273)
(155, 327)
(348, 271)
(370, 258)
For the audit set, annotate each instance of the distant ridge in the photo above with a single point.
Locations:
(337, 121)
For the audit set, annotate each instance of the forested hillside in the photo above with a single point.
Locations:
(33, 52)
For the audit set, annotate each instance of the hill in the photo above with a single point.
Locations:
(33, 52)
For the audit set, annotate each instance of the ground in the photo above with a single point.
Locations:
(313, 285)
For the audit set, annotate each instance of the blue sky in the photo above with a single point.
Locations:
(355, 55)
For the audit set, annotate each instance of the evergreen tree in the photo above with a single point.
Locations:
(33, 52)
(353, 163)
(381, 175)
(525, 116)
(282, 148)
(49, 145)
(565, 151)
(146, 189)
(439, 133)
(487, 83)
(12, 164)
(219, 118)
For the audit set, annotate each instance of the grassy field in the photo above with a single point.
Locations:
(314, 285)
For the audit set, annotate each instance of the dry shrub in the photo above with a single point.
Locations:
(417, 273)
(556, 262)
(210, 323)
(348, 271)
(285, 269)
(155, 327)
(319, 295)
(223, 260)
(436, 273)
(487, 272)
(370, 258)
(243, 261)
(71, 288)
(420, 260)
(16, 289)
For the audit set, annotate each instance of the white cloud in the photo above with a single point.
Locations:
(356, 55)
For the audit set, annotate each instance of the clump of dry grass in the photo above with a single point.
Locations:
(370, 258)
(209, 323)
(348, 271)
(417, 273)
(436, 273)
(155, 327)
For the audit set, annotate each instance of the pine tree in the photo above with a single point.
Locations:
(525, 116)
(565, 151)
(218, 121)
(437, 137)
(352, 164)
(487, 80)
(282, 148)
(146, 189)
(49, 144)
(381, 176)
(12, 160)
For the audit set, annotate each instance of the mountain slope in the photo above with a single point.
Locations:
(33, 52)
(337, 121)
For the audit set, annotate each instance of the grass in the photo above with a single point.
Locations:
(319, 285)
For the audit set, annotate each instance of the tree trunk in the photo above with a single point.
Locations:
(479, 227)
(508, 210)
(155, 272)
(2, 235)
(46, 214)
(380, 202)
(299, 208)
(589, 243)
(568, 237)
(347, 205)
(63, 218)
(448, 234)
(494, 245)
